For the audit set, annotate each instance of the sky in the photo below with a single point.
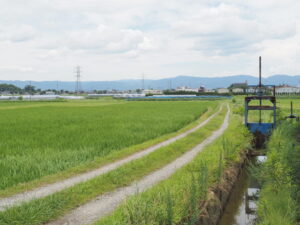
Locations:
(124, 39)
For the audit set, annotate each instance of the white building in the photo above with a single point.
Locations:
(50, 93)
(210, 90)
(187, 89)
(151, 91)
(237, 90)
(251, 90)
(222, 90)
(286, 89)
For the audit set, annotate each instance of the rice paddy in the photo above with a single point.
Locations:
(39, 139)
(42, 210)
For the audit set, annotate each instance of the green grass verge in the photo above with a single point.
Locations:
(25, 169)
(177, 199)
(42, 210)
(279, 198)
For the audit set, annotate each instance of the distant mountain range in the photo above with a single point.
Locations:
(190, 81)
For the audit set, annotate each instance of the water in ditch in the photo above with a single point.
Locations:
(241, 207)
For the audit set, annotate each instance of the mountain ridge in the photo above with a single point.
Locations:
(164, 83)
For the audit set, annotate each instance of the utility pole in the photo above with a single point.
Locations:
(170, 85)
(78, 76)
(57, 86)
(143, 82)
(260, 90)
(30, 90)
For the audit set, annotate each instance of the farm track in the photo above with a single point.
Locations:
(105, 204)
(49, 189)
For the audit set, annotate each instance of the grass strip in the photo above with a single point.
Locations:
(51, 207)
(178, 198)
(101, 161)
(279, 197)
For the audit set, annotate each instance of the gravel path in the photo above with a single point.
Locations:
(105, 204)
(49, 189)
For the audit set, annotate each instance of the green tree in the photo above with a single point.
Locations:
(29, 89)
(12, 89)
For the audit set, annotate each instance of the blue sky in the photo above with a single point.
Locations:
(123, 39)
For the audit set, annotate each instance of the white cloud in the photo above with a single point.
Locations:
(101, 40)
(17, 33)
(17, 69)
(105, 39)
(122, 39)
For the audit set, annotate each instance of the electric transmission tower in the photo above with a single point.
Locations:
(78, 76)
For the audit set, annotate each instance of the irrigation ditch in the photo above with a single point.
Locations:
(233, 200)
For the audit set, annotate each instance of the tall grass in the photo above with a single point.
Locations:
(187, 188)
(46, 139)
(279, 197)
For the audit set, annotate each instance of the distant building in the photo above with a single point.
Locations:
(238, 87)
(210, 91)
(202, 89)
(237, 90)
(5, 93)
(222, 90)
(250, 90)
(187, 89)
(50, 93)
(286, 89)
(152, 91)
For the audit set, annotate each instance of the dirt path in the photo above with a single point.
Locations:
(105, 204)
(49, 189)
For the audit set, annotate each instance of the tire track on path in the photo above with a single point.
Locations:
(52, 188)
(105, 204)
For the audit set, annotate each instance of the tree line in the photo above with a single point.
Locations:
(28, 89)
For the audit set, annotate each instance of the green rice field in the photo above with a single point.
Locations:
(44, 138)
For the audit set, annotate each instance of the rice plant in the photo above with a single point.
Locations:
(42, 210)
(44, 138)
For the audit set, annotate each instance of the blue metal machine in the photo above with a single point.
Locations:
(262, 92)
